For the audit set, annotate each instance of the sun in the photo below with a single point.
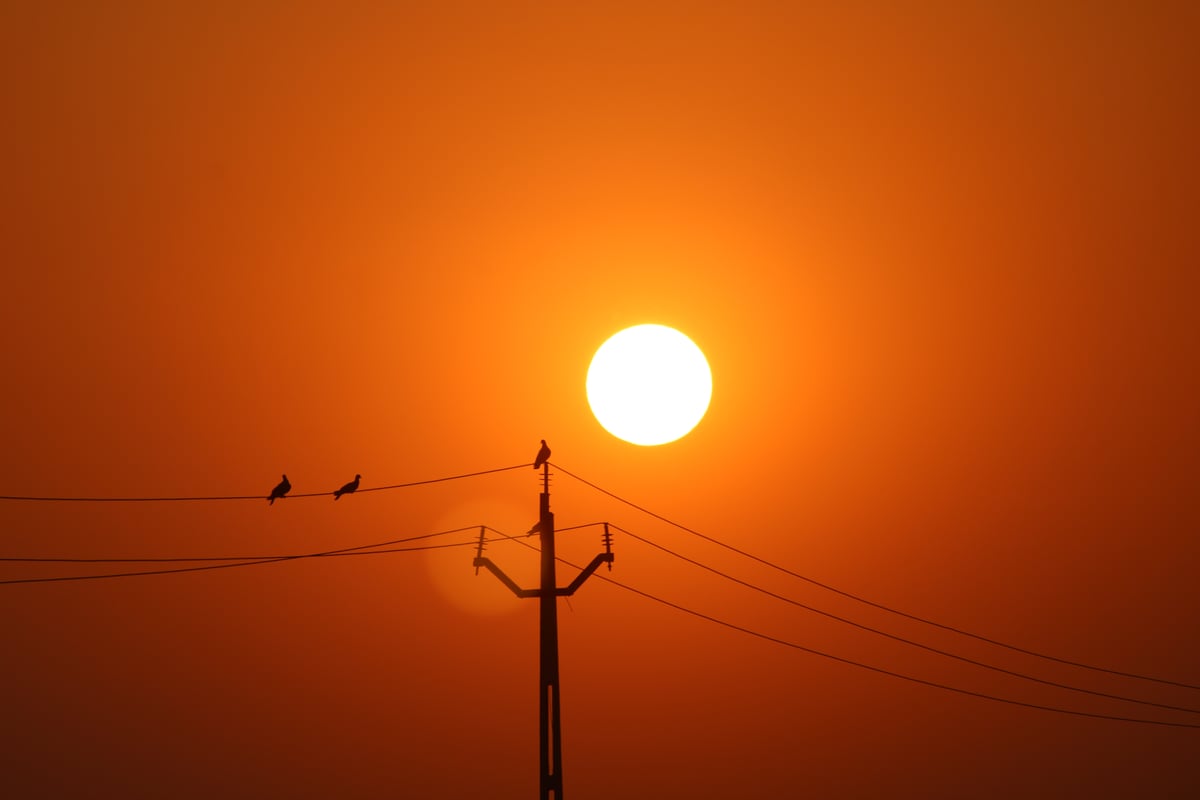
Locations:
(649, 385)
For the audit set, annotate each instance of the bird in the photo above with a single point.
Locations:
(537, 528)
(279, 491)
(349, 488)
(543, 455)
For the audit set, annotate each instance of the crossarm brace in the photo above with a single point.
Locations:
(481, 561)
(583, 576)
(603, 558)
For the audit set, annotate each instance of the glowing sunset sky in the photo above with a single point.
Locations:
(943, 262)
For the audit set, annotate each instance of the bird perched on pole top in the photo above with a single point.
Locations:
(349, 488)
(279, 491)
(543, 455)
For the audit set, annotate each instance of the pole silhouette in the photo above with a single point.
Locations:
(550, 777)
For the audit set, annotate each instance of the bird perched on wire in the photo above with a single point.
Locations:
(349, 488)
(543, 455)
(279, 491)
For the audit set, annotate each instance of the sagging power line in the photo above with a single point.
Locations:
(387, 547)
(862, 665)
(284, 494)
(613, 495)
(891, 673)
(233, 562)
(901, 639)
(872, 603)
(380, 548)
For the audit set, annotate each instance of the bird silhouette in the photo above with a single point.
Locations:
(349, 488)
(543, 455)
(279, 491)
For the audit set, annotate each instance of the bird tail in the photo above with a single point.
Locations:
(337, 495)
(271, 500)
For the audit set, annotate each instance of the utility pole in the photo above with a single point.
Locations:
(549, 701)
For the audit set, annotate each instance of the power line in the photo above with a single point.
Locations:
(207, 559)
(869, 667)
(872, 603)
(897, 638)
(227, 562)
(881, 670)
(437, 480)
(179, 559)
(230, 562)
(210, 498)
(579, 527)
(374, 549)
(891, 673)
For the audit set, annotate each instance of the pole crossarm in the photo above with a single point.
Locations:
(481, 561)
(602, 558)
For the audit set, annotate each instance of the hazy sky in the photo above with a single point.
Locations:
(942, 258)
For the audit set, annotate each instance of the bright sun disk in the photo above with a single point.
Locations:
(649, 385)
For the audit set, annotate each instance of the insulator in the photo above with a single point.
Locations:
(479, 548)
(482, 543)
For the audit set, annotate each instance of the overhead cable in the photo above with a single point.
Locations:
(894, 637)
(872, 603)
(210, 498)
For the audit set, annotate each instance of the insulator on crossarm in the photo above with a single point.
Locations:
(479, 549)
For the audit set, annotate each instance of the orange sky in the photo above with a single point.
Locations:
(943, 263)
